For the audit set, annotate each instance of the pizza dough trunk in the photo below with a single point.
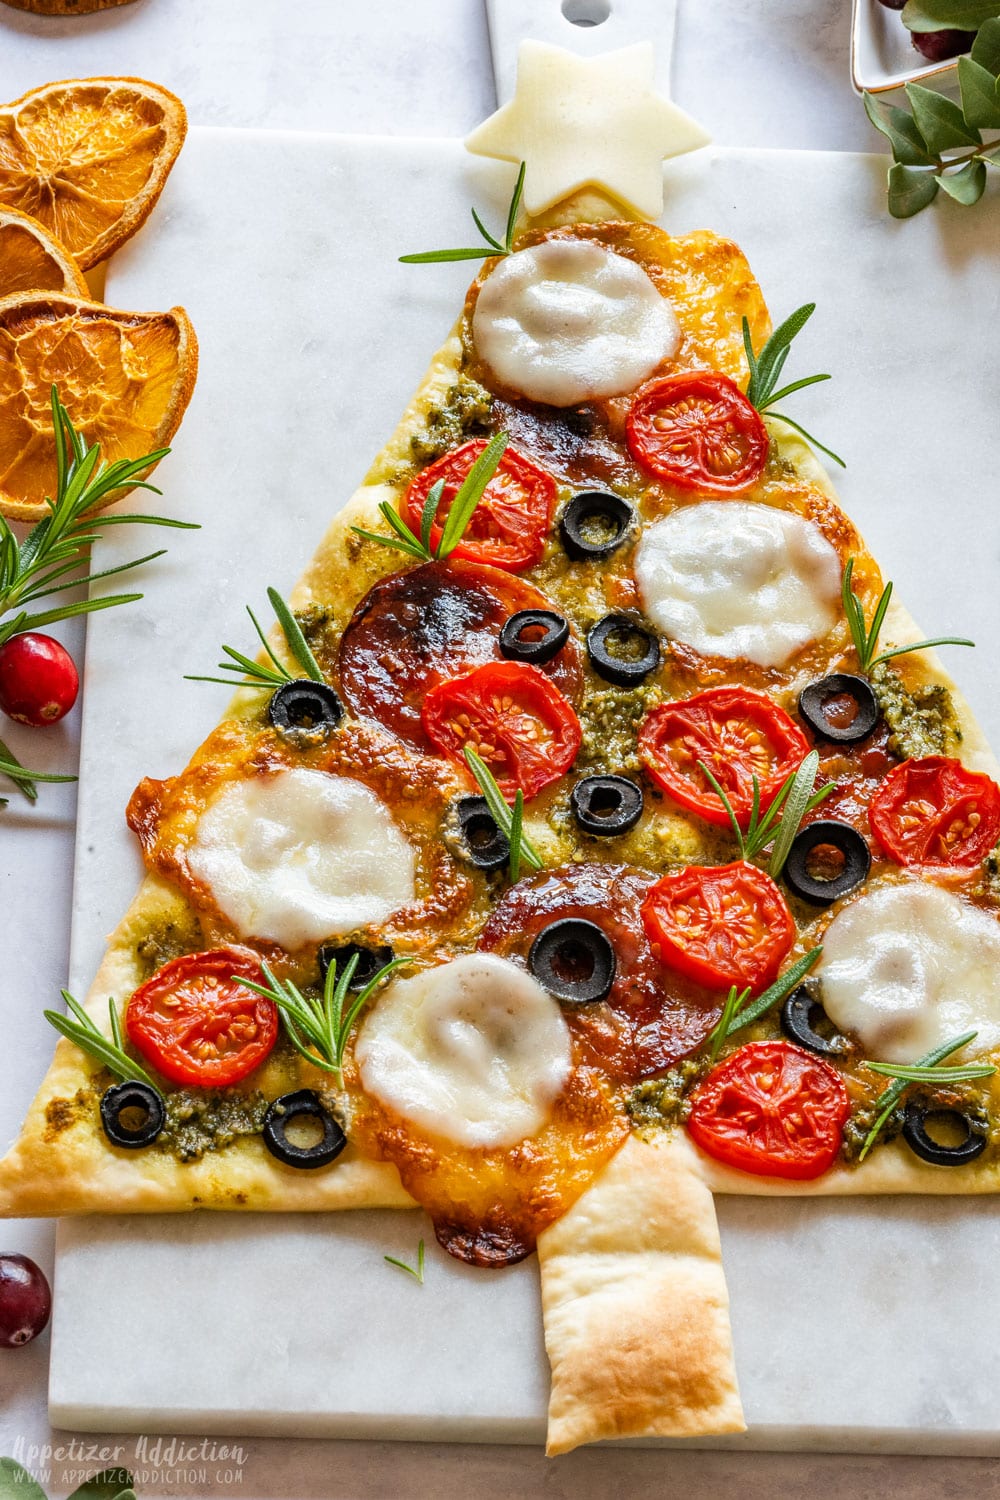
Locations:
(635, 1305)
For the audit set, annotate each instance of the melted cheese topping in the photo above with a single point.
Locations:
(302, 856)
(907, 967)
(567, 320)
(735, 579)
(474, 1051)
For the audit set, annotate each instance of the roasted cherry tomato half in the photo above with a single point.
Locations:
(936, 812)
(513, 717)
(428, 625)
(773, 1110)
(38, 679)
(699, 432)
(737, 734)
(720, 924)
(511, 521)
(198, 1024)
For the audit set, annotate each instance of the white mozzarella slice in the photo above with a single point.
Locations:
(474, 1051)
(735, 579)
(568, 320)
(301, 856)
(908, 967)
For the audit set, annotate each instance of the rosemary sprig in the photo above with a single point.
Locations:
(924, 1070)
(470, 492)
(766, 367)
(865, 638)
(90, 1039)
(494, 246)
(322, 1023)
(54, 556)
(22, 778)
(418, 1274)
(793, 799)
(509, 817)
(258, 674)
(736, 1013)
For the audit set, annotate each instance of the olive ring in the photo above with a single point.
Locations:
(144, 1100)
(303, 1104)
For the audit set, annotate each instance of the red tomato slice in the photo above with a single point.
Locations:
(197, 1023)
(720, 924)
(771, 1109)
(509, 525)
(698, 431)
(416, 629)
(513, 717)
(935, 812)
(738, 734)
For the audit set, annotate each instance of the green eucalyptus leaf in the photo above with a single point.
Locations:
(110, 1484)
(901, 131)
(967, 184)
(940, 120)
(910, 190)
(16, 1483)
(980, 98)
(947, 15)
(986, 47)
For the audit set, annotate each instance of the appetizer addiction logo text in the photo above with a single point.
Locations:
(148, 1462)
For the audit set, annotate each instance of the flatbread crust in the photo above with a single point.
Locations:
(635, 1305)
(633, 1291)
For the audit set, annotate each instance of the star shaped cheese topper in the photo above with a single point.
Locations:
(588, 122)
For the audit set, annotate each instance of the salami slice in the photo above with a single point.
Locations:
(651, 1017)
(416, 629)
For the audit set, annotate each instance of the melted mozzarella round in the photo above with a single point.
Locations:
(474, 1051)
(567, 320)
(301, 856)
(735, 579)
(907, 967)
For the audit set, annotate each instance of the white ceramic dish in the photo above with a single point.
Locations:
(883, 58)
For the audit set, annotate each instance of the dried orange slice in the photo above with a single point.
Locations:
(125, 378)
(32, 261)
(88, 158)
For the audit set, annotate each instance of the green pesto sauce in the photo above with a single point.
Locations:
(609, 719)
(989, 878)
(465, 413)
(200, 1120)
(163, 943)
(922, 720)
(661, 1103)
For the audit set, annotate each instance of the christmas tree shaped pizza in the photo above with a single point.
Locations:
(594, 830)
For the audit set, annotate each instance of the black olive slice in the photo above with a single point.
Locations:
(800, 1015)
(822, 705)
(150, 1114)
(573, 960)
(305, 705)
(370, 960)
(854, 869)
(606, 805)
(918, 1112)
(483, 843)
(304, 1104)
(534, 635)
(593, 524)
(622, 650)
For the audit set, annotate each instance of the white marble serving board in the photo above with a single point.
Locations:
(861, 1325)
